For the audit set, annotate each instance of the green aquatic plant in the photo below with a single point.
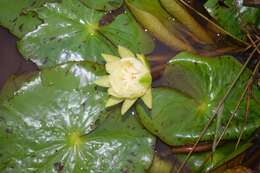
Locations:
(61, 119)
(72, 32)
(160, 165)
(187, 95)
(104, 5)
(177, 10)
(154, 18)
(56, 121)
(234, 17)
(15, 15)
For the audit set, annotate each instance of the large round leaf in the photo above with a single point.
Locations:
(233, 16)
(104, 5)
(13, 15)
(71, 31)
(162, 25)
(188, 94)
(56, 122)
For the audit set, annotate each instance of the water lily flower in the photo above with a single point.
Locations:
(129, 79)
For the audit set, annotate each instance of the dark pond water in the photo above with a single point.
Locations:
(11, 62)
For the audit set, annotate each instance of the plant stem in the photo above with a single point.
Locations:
(249, 83)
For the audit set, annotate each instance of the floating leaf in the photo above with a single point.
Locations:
(56, 122)
(177, 10)
(153, 17)
(13, 15)
(188, 94)
(233, 16)
(104, 5)
(160, 165)
(71, 32)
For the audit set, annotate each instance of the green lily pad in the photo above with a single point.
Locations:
(15, 17)
(163, 26)
(104, 5)
(233, 16)
(187, 96)
(56, 121)
(71, 32)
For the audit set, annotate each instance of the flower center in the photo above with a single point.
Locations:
(92, 28)
(130, 71)
(75, 139)
(202, 108)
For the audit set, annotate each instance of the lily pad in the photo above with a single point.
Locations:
(55, 121)
(104, 5)
(177, 10)
(187, 96)
(233, 16)
(15, 17)
(154, 18)
(71, 32)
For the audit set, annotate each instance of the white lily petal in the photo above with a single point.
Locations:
(143, 60)
(113, 101)
(127, 104)
(112, 92)
(103, 81)
(147, 98)
(112, 66)
(109, 67)
(110, 58)
(125, 53)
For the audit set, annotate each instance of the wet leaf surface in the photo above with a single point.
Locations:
(179, 11)
(15, 16)
(156, 20)
(104, 5)
(55, 121)
(233, 16)
(187, 95)
(71, 32)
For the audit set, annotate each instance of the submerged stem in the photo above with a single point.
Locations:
(249, 89)
(253, 42)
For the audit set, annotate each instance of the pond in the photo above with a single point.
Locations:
(133, 86)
